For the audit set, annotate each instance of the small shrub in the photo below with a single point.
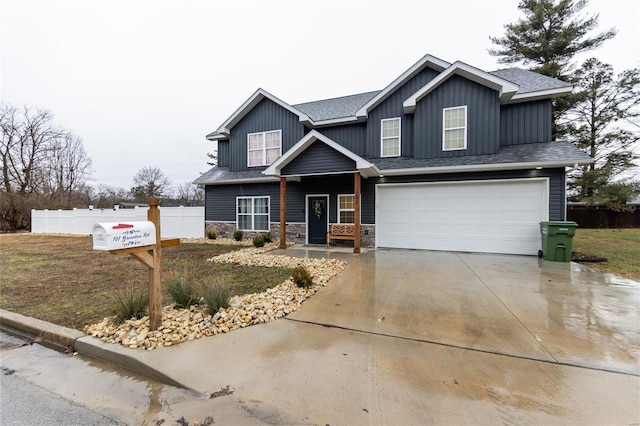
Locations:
(133, 302)
(301, 277)
(212, 233)
(267, 237)
(216, 294)
(181, 291)
(238, 234)
(258, 241)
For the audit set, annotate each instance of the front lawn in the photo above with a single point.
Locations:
(621, 247)
(61, 279)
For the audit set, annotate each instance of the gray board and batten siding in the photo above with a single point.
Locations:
(220, 200)
(391, 107)
(223, 153)
(526, 122)
(319, 158)
(483, 119)
(265, 116)
(489, 124)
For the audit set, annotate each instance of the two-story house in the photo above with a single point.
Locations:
(446, 157)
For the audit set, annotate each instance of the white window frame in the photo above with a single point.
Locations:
(253, 214)
(383, 138)
(444, 128)
(264, 147)
(347, 210)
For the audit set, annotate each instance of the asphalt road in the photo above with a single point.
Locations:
(39, 386)
(23, 402)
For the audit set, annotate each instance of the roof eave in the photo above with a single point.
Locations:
(265, 179)
(482, 167)
(540, 94)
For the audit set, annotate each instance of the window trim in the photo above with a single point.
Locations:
(382, 137)
(253, 213)
(444, 128)
(347, 210)
(264, 147)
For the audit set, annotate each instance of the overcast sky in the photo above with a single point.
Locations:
(143, 82)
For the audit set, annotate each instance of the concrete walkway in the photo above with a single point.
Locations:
(413, 337)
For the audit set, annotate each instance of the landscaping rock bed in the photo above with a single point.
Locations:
(181, 325)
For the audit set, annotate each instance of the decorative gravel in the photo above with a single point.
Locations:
(182, 325)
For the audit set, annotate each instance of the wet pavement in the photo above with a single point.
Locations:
(400, 337)
(87, 391)
(512, 305)
(410, 337)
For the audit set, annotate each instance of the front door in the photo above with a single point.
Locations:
(317, 219)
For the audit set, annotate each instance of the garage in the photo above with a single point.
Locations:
(497, 216)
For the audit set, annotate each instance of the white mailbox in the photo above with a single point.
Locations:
(116, 235)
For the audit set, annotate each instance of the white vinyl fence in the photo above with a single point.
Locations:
(176, 222)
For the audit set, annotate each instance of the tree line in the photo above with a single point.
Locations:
(44, 166)
(601, 115)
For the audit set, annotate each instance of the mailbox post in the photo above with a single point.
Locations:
(155, 273)
(142, 241)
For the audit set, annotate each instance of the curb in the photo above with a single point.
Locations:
(67, 339)
(61, 338)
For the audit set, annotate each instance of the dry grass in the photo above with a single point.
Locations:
(621, 247)
(61, 279)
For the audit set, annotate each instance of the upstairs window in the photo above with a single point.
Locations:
(390, 139)
(454, 128)
(264, 148)
(252, 213)
(346, 208)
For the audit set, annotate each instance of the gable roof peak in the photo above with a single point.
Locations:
(257, 96)
(424, 62)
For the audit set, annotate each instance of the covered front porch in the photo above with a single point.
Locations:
(329, 177)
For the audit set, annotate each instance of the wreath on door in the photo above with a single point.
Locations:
(317, 208)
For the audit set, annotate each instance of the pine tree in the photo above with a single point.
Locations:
(547, 40)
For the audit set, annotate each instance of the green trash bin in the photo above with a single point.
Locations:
(557, 240)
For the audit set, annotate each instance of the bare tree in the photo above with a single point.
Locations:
(149, 182)
(68, 169)
(189, 194)
(42, 164)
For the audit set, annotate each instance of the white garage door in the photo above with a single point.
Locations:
(500, 216)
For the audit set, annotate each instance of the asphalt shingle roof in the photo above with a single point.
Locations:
(347, 106)
(329, 109)
(523, 153)
(542, 152)
(529, 81)
(223, 174)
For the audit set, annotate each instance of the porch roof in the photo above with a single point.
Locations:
(366, 168)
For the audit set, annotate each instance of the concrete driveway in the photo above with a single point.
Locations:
(512, 305)
(415, 337)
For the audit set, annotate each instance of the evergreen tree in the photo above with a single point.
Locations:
(547, 39)
(604, 123)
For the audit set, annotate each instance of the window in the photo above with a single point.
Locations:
(252, 213)
(346, 208)
(390, 137)
(454, 128)
(263, 148)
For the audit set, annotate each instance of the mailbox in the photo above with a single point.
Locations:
(116, 235)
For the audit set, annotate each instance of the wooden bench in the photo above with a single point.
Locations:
(339, 231)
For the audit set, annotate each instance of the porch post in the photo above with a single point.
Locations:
(356, 190)
(283, 212)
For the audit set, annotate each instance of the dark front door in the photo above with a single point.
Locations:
(317, 219)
